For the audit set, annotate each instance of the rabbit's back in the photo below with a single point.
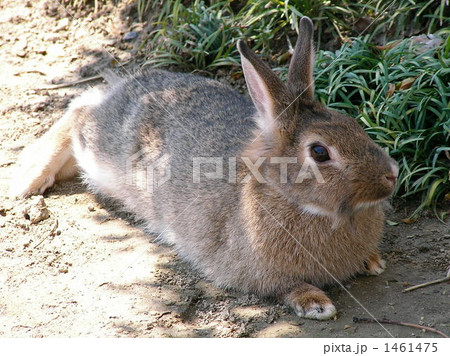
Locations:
(192, 114)
(160, 123)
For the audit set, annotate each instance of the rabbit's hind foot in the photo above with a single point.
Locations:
(47, 160)
(311, 303)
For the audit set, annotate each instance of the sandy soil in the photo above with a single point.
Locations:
(88, 269)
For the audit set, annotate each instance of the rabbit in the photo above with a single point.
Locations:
(232, 193)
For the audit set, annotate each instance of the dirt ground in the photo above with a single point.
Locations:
(87, 269)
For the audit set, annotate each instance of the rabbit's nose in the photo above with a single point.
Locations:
(394, 170)
(391, 177)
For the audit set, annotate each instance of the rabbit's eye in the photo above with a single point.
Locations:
(319, 153)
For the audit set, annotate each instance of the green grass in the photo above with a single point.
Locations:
(198, 37)
(201, 35)
(270, 21)
(408, 17)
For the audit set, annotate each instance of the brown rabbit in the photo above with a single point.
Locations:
(277, 197)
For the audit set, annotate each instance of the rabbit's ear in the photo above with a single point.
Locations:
(300, 79)
(267, 90)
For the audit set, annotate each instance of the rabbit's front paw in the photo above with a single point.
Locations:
(311, 303)
(375, 265)
(316, 311)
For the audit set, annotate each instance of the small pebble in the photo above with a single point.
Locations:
(129, 36)
(91, 207)
(20, 48)
(62, 25)
(36, 210)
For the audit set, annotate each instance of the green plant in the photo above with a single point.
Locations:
(408, 17)
(185, 29)
(267, 21)
(143, 6)
(198, 37)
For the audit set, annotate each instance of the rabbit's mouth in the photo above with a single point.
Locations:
(351, 206)
(366, 205)
(346, 207)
